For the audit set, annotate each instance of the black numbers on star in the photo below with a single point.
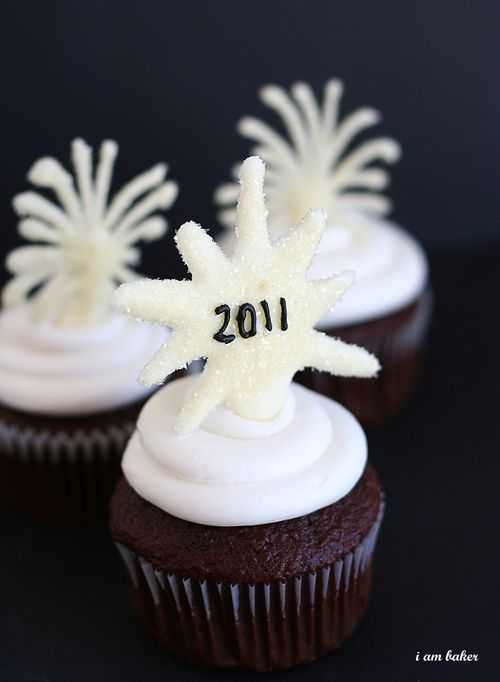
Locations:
(220, 336)
(246, 320)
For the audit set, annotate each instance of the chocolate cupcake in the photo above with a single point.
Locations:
(69, 395)
(388, 311)
(260, 597)
(248, 515)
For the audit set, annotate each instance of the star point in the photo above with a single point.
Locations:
(251, 315)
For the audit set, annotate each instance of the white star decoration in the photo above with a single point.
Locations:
(251, 359)
(312, 168)
(84, 246)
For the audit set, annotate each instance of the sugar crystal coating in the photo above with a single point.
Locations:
(251, 356)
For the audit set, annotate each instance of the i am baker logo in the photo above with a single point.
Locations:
(450, 656)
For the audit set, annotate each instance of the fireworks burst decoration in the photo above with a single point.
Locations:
(250, 315)
(83, 246)
(313, 166)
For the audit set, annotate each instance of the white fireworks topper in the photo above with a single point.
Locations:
(250, 315)
(83, 246)
(313, 167)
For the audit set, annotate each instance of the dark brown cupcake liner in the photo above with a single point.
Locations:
(398, 340)
(258, 626)
(61, 476)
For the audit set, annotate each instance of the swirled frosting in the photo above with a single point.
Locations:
(65, 371)
(390, 266)
(232, 471)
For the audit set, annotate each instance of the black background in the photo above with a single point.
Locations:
(168, 81)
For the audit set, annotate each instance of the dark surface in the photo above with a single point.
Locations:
(65, 615)
(169, 81)
(247, 554)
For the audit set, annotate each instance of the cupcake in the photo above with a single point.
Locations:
(247, 516)
(316, 165)
(69, 395)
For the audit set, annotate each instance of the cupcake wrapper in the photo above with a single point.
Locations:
(66, 477)
(261, 626)
(398, 341)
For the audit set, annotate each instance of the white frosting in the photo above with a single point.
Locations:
(72, 371)
(390, 266)
(233, 472)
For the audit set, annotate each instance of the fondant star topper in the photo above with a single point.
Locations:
(313, 167)
(84, 247)
(251, 315)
